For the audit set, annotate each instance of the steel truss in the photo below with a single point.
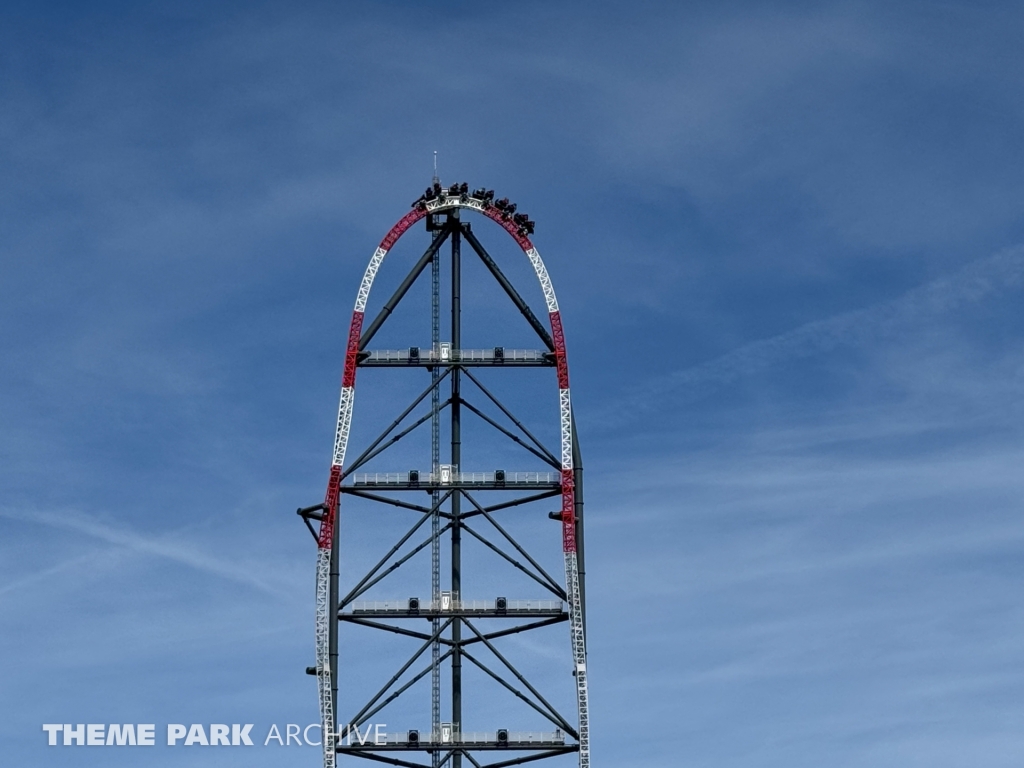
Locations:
(456, 507)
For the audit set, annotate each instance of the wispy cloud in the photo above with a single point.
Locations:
(972, 283)
(36, 577)
(168, 547)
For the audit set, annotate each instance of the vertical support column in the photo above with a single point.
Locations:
(581, 566)
(435, 496)
(333, 618)
(435, 521)
(456, 429)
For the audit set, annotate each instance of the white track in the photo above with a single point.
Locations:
(323, 618)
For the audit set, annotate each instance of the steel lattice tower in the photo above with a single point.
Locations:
(454, 637)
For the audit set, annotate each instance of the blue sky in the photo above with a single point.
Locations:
(788, 245)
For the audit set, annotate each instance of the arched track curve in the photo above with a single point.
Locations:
(440, 204)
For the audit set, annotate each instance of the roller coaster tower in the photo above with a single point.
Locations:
(455, 627)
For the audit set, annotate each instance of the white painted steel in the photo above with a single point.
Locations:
(323, 660)
(348, 396)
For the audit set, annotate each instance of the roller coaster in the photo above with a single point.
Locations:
(466, 504)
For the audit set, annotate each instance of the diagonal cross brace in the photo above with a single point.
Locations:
(509, 288)
(399, 294)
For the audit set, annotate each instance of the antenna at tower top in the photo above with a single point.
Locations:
(435, 180)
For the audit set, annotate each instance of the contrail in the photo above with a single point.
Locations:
(145, 545)
(25, 581)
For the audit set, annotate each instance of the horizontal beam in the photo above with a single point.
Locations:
(383, 363)
(425, 746)
(449, 358)
(491, 485)
(488, 613)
